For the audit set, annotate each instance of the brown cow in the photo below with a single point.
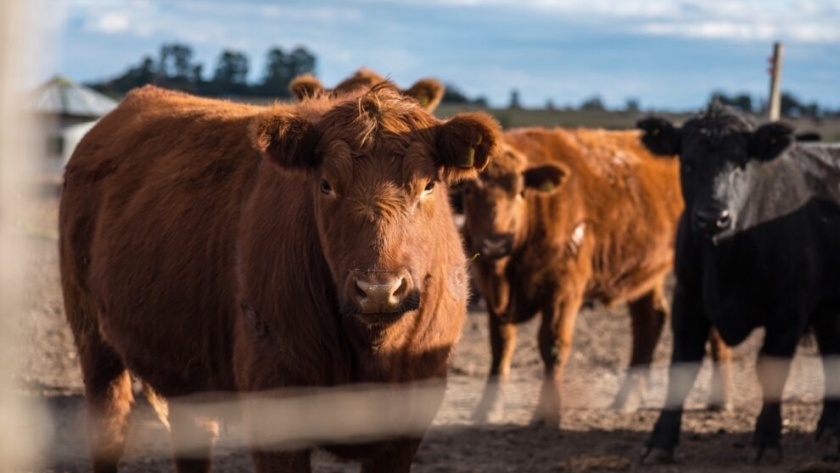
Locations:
(211, 246)
(428, 92)
(564, 216)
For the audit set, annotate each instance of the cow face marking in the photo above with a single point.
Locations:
(377, 175)
(718, 152)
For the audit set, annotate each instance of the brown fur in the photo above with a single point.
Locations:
(199, 252)
(585, 215)
(428, 92)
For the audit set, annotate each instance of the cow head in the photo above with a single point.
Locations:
(427, 92)
(495, 203)
(715, 150)
(377, 167)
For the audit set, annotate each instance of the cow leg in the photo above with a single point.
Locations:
(772, 367)
(827, 332)
(396, 458)
(555, 341)
(282, 461)
(193, 437)
(109, 400)
(647, 315)
(502, 344)
(720, 396)
(690, 328)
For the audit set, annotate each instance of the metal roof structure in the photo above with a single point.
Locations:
(60, 96)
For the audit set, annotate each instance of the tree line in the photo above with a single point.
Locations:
(175, 68)
(790, 105)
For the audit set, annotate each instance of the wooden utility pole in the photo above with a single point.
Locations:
(775, 105)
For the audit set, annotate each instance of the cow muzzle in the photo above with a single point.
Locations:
(496, 246)
(712, 220)
(381, 292)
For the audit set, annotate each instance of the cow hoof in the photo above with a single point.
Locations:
(631, 394)
(624, 407)
(825, 434)
(720, 406)
(544, 423)
(656, 456)
(482, 415)
(766, 456)
(829, 445)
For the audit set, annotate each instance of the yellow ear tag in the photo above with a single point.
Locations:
(546, 186)
(478, 140)
(474, 257)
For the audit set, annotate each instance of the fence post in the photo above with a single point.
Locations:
(775, 106)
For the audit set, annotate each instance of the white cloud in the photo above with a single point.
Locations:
(111, 22)
(735, 30)
(810, 21)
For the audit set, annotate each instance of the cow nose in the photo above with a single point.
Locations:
(381, 291)
(496, 246)
(713, 220)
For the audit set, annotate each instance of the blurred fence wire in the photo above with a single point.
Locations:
(19, 428)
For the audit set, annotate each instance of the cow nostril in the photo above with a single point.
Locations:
(401, 288)
(379, 291)
(724, 220)
(360, 289)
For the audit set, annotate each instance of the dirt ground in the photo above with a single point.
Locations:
(593, 438)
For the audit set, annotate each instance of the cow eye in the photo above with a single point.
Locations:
(429, 188)
(326, 188)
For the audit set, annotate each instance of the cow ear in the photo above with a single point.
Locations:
(465, 144)
(770, 140)
(286, 140)
(305, 86)
(660, 136)
(428, 92)
(547, 178)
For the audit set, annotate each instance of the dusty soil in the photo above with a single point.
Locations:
(593, 438)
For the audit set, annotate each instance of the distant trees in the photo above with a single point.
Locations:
(632, 105)
(514, 99)
(175, 68)
(231, 74)
(281, 68)
(452, 94)
(742, 101)
(790, 106)
(593, 103)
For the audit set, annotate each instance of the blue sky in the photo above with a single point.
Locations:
(667, 54)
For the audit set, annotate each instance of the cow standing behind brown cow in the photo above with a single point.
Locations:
(210, 246)
(562, 216)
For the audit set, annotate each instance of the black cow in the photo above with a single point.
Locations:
(758, 245)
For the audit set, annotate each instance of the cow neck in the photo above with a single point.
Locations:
(377, 351)
(770, 191)
(549, 222)
(494, 284)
